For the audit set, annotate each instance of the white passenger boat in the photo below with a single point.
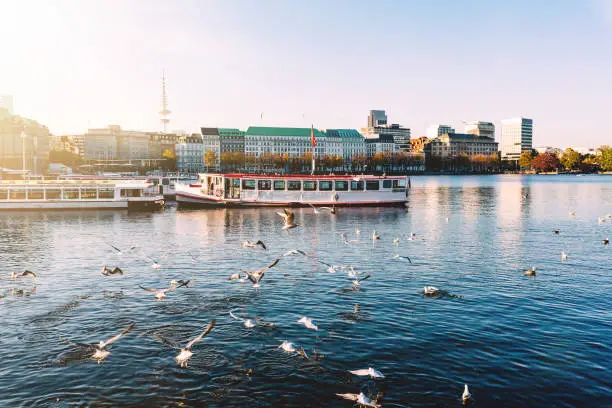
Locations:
(134, 195)
(293, 190)
(167, 184)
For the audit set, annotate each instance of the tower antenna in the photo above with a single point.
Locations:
(164, 112)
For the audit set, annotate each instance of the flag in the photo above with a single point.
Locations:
(313, 141)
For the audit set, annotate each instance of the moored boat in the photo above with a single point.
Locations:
(235, 190)
(133, 195)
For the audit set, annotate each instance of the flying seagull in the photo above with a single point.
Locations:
(295, 252)
(361, 399)
(174, 284)
(357, 282)
(155, 264)
(239, 278)
(24, 274)
(564, 256)
(289, 218)
(404, 258)
(555, 231)
(257, 276)
(106, 271)
(466, 396)
(572, 213)
(101, 349)
(319, 210)
(248, 323)
(289, 347)
(186, 352)
(375, 236)
(249, 244)
(367, 372)
(160, 294)
(307, 321)
(605, 241)
(396, 241)
(530, 272)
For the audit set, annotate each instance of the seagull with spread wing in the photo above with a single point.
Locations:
(361, 399)
(24, 274)
(248, 244)
(318, 210)
(101, 349)
(372, 373)
(106, 271)
(160, 294)
(257, 276)
(186, 352)
(289, 218)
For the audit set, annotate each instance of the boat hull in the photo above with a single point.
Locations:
(42, 205)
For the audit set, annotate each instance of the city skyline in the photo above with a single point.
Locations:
(326, 64)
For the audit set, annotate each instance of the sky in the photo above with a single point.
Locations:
(73, 65)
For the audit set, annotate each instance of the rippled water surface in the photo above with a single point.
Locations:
(516, 340)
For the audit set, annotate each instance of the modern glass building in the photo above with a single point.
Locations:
(516, 137)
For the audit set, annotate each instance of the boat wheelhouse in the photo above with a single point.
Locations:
(293, 190)
(136, 195)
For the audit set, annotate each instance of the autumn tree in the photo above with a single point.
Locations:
(605, 161)
(570, 159)
(546, 162)
(526, 160)
(210, 158)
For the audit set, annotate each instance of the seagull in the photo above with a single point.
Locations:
(101, 351)
(357, 231)
(248, 323)
(368, 371)
(605, 241)
(430, 291)
(405, 258)
(321, 209)
(466, 396)
(24, 274)
(530, 272)
(108, 271)
(117, 250)
(347, 241)
(160, 294)
(307, 321)
(555, 231)
(396, 241)
(295, 252)
(249, 244)
(572, 213)
(374, 236)
(360, 399)
(289, 347)
(257, 276)
(239, 278)
(186, 352)
(357, 282)
(289, 218)
(601, 220)
(156, 264)
(174, 284)
(563, 256)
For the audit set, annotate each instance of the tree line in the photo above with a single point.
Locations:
(569, 160)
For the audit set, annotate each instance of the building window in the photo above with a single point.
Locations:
(248, 184)
(325, 185)
(264, 184)
(294, 185)
(279, 184)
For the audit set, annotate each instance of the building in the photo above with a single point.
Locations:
(6, 102)
(383, 144)
(516, 137)
(212, 142)
(456, 144)
(24, 144)
(417, 145)
(377, 118)
(352, 142)
(478, 128)
(434, 131)
(282, 140)
(114, 143)
(231, 140)
(190, 154)
(160, 143)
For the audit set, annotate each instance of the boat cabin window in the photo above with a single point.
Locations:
(341, 185)
(310, 185)
(37, 194)
(3, 194)
(294, 185)
(357, 185)
(386, 183)
(264, 185)
(53, 194)
(279, 184)
(102, 194)
(235, 182)
(372, 185)
(72, 194)
(17, 194)
(325, 185)
(401, 183)
(248, 184)
(89, 193)
(129, 192)
(165, 182)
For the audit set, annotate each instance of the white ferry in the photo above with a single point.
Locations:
(293, 190)
(167, 184)
(133, 195)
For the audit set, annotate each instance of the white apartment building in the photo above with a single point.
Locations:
(351, 142)
(211, 141)
(280, 140)
(454, 144)
(190, 154)
(516, 137)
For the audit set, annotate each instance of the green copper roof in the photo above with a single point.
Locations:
(281, 131)
(230, 132)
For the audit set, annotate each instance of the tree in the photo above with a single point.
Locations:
(169, 160)
(546, 162)
(526, 160)
(605, 160)
(210, 158)
(570, 159)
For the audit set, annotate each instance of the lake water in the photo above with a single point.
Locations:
(515, 340)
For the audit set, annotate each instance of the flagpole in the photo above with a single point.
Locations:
(312, 144)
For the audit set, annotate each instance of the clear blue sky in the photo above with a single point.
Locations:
(78, 64)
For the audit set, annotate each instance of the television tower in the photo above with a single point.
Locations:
(164, 112)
